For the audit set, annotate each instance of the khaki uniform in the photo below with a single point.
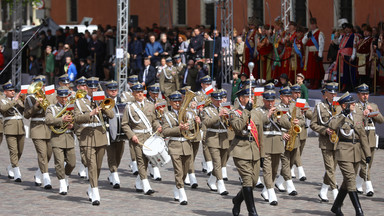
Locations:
(63, 145)
(133, 125)
(1, 122)
(244, 149)
(289, 158)
(93, 139)
(52, 98)
(180, 71)
(200, 97)
(169, 81)
(319, 123)
(216, 139)
(195, 145)
(273, 146)
(304, 133)
(371, 133)
(127, 97)
(39, 132)
(353, 146)
(13, 128)
(179, 147)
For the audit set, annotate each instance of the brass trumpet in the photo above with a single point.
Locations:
(183, 116)
(278, 114)
(106, 104)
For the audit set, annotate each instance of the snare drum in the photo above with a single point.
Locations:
(156, 151)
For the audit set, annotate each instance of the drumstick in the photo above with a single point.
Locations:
(152, 135)
(144, 146)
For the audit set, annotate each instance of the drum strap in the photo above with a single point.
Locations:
(142, 117)
(169, 122)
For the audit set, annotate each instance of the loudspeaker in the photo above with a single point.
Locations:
(134, 21)
(208, 49)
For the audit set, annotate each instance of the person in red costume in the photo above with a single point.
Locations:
(264, 48)
(250, 50)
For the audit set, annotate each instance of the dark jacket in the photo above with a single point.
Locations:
(197, 44)
(34, 68)
(150, 78)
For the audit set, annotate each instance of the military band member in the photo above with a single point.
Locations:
(12, 108)
(139, 122)
(201, 97)
(352, 147)
(81, 83)
(63, 145)
(272, 139)
(191, 177)
(115, 150)
(216, 139)
(365, 108)
(323, 113)
(179, 147)
(231, 133)
(93, 137)
(40, 134)
(246, 84)
(169, 80)
(305, 114)
(246, 150)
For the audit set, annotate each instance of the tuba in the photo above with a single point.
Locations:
(293, 131)
(185, 116)
(64, 127)
(106, 104)
(36, 89)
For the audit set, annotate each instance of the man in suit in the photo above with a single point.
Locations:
(190, 75)
(12, 108)
(180, 67)
(147, 76)
(322, 115)
(139, 122)
(93, 137)
(63, 145)
(247, 150)
(169, 81)
(352, 147)
(40, 134)
(365, 108)
(200, 74)
(179, 147)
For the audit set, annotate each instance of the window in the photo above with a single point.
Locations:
(258, 9)
(301, 12)
(181, 12)
(346, 10)
(210, 14)
(72, 10)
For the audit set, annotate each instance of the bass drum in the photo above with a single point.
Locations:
(156, 151)
(120, 133)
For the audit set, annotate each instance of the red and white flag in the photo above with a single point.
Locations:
(258, 91)
(98, 95)
(284, 110)
(336, 101)
(300, 102)
(226, 105)
(161, 105)
(208, 90)
(49, 89)
(71, 107)
(145, 93)
(24, 89)
(200, 105)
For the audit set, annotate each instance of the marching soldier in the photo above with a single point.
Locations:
(40, 134)
(139, 122)
(63, 145)
(272, 139)
(201, 97)
(352, 147)
(246, 149)
(115, 150)
(305, 114)
(12, 108)
(81, 83)
(323, 113)
(93, 137)
(216, 139)
(179, 147)
(366, 109)
(231, 133)
(169, 80)
(246, 84)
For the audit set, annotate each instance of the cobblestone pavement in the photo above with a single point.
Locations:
(27, 199)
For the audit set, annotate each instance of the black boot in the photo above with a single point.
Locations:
(336, 208)
(248, 197)
(237, 200)
(356, 203)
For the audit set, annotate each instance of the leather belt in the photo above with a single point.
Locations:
(275, 133)
(37, 119)
(249, 138)
(93, 125)
(217, 130)
(141, 131)
(180, 139)
(13, 118)
(370, 128)
(342, 139)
